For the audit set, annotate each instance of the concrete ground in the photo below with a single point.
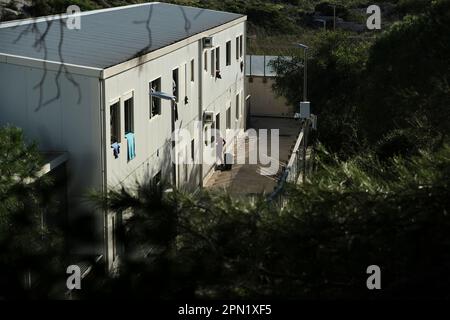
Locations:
(244, 179)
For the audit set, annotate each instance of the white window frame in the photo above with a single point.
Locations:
(228, 53)
(111, 103)
(151, 116)
(126, 96)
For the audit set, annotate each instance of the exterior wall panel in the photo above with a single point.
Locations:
(67, 123)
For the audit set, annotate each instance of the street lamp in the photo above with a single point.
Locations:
(172, 98)
(305, 97)
(305, 66)
(334, 17)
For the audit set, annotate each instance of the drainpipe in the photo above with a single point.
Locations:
(264, 66)
(244, 58)
(104, 170)
(200, 110)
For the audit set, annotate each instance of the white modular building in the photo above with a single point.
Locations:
(80, 85)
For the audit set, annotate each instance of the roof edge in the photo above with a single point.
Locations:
(134, 62)
(50, 65)
(21, 22)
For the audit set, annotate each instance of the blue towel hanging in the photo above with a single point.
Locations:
(131, 145)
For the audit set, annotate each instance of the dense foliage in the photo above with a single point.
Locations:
(336, 67)
(27, 247)
(380, 194)
(408, 73)
(351, 215)
(362, 89)
(272, 16)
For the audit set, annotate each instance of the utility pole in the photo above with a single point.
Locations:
(305, 147)
(334, 17)
(305, 67)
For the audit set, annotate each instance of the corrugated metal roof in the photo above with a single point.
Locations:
(111, 36)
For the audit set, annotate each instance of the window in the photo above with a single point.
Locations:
(192, 70)
(218, 59)
(237, 48)
(215, 128)
(205, 136)
(229, 118)
(228, 53)
(114, 122)
(241, 45)
(238, 100)
(213, 63)
(129, 115)
(186, 100)
(218, 122)
(186, 176)
(157, 179)
(193, 150)
(206, 61)
(175, 82)
(114, 237)
(213, 132)
(155, 103)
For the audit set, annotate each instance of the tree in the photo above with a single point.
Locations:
(351, 215)
(362, 90)
(408, 74)
(27, 247)
(335, 77)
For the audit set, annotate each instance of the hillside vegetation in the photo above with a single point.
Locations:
(269, 16)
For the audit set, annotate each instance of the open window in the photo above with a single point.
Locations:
(114, 237)
(114, 122)
(215, 129)
(192, 70)
(157, 179)
(228, 53)
(205, 135)
(218, 122)
(238, 106)
(193, 150)
(241, 45)
(186, 79)
(237, 48)
(217, 60)
(206, 61)
(155, 103)
(213, 63)
(229, 118)
(185, 169)
(213, 132)
(129, 115)
(175, 83)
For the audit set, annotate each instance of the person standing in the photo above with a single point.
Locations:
(220, 143)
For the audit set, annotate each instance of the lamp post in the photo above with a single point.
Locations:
(305, 99)
(305, 66)
(172, 98)
(334, 17)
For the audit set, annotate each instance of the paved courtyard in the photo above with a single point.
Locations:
(247, 178)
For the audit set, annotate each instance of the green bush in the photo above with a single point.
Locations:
(351, 215)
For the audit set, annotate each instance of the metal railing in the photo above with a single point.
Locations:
(294, 167)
